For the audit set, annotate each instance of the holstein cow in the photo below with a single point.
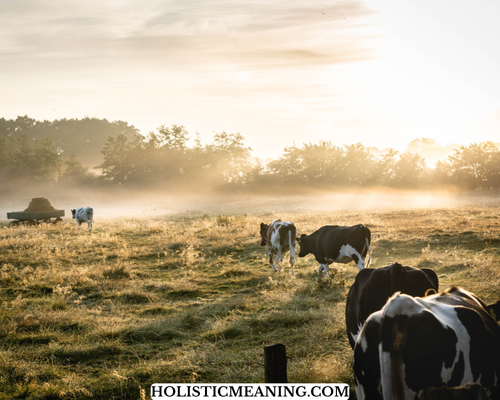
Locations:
(333, 243)
(373, 287)
(280, 236)
(84, 214)
(413, 343)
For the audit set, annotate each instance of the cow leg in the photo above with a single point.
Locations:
(90, 226)
(79, 227)
(323, 267)
(292, 260)
(270, 254)
(326, 270)
(279, 259)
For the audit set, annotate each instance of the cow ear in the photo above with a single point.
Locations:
(262, 225)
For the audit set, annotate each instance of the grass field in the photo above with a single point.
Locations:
(190, 297)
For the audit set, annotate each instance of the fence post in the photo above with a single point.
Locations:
(275, 364)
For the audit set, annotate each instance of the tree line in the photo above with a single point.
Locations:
(166, 158)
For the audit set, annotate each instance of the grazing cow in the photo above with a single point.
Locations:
(414, 343)
(84, 214)
(280, 236)
(333, 243)
(373, 287)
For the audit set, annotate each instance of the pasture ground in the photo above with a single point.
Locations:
(190, 297)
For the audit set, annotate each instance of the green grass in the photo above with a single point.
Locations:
(191, 297)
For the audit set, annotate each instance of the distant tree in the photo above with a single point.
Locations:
(173, 138)
(409, 171)
(227, 156)
(475, 166)
(289, 167)
(85, 137)
(358, 165)
(118, 165)
(46, 160)
(322, 163)
(24, 159)
(75, 173)
(441, 175)
(384, 168)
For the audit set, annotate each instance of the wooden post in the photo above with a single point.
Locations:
(275, 364)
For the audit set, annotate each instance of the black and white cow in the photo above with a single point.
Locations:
(341, 244)
(373, 287)
(84, 214)
(413, 343)
(280, 236)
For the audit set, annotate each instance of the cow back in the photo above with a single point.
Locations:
(323, 242)
(373, 287)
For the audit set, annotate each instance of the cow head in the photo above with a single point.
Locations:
(263, 233)
(303, 247)
(73, 212)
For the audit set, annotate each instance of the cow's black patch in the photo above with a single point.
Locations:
(427, 348)
(458, 372)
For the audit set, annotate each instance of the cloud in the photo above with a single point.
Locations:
(257, 33)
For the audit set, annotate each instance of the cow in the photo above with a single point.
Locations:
(373, 287)
(447, 339)
(333, 243)
(84, 214)
(280, 236)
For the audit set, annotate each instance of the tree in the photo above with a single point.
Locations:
(289, 167)
(358, 164)
(383, 168)
(475, 166)
(174, 138)
(74, 172)
(409, 171)
(85, 137)
(227, 156)
(116, 166)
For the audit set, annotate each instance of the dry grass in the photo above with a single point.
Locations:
(191, 298)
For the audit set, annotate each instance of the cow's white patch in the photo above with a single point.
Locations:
(360, 392)
(355, 336)
(345, 256)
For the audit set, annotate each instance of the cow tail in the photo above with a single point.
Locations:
(369, 258)
(391, 362)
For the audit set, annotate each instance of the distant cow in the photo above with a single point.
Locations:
(84, 214)
(413, 343)
(280, 236)
(373, 287)
(333, 243)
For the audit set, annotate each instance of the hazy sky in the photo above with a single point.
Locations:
(379, 72)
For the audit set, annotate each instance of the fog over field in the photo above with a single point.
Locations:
(139, 204)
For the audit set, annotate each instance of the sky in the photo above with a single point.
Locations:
(378, 72)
